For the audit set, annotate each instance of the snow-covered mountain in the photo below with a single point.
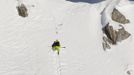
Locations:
(25, 42)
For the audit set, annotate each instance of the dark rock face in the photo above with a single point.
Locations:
(119, 17)
(110, 33)
(113, 36)
(22, 10)
(122, 34)
(105, 43)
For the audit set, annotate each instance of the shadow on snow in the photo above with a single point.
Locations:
(86, 1)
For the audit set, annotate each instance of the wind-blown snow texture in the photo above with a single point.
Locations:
(25, 43)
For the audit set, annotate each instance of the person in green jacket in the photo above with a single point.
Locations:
(56, 46)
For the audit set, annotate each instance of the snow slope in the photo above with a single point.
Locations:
(25, 43)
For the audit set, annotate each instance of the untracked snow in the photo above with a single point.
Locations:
(25, 43)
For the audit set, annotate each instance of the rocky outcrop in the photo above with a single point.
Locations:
(110, 33)
(122, 34)
(119, 17)
(113, 36)
(105, 43)
(22, 10)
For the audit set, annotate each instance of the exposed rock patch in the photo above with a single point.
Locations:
(110, 33)
(113, 36)
(22, 10)
(122, 34)
(119, 17)
(105, 43)
(130, 70)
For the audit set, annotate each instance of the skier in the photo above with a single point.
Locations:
(56, 46)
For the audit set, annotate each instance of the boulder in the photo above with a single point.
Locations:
(122, 34)
(113, 36)
(110, 33)
(119, 17)
(105, 43)
(22, 10)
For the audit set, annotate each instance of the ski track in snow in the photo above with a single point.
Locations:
(25, 43)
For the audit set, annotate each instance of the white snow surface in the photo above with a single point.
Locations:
(25, 43)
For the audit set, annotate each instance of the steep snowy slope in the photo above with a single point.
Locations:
(25, 43)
